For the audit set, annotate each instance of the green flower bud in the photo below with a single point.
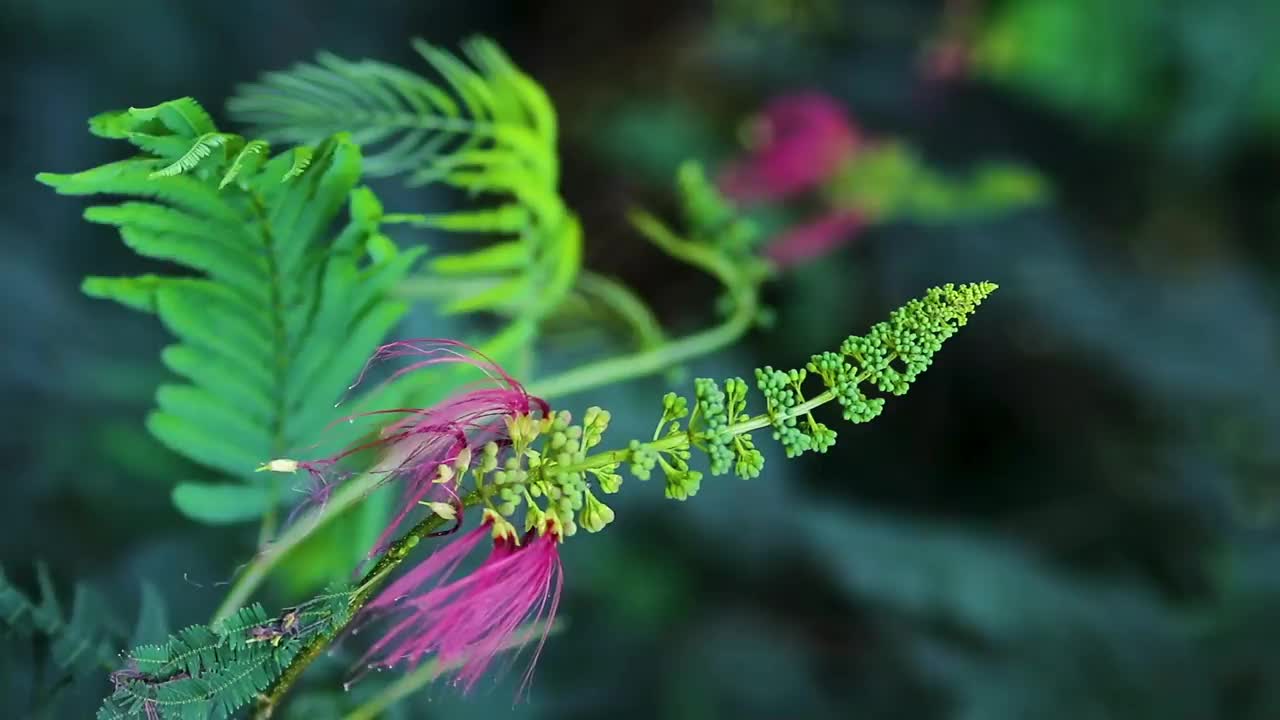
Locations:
(595, 515)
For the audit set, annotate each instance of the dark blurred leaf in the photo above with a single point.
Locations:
(153, 618)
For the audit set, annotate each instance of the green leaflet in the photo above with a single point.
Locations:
(138, 292)
(280, 301)
(221, 504)
(253, 154)
(496, 258)
(165, 233)
(301, 161)
(204, 146)
(503, 219)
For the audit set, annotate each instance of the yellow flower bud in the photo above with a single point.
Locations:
(280, 465)
(443, 509)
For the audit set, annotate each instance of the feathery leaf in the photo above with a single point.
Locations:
(279, 296)
(486, 128)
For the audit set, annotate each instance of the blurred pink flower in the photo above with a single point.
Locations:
(802, 140)
(814, 238)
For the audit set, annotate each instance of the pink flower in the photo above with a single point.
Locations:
(423, 440)
(815, 238)
(803, 140)
(470, 619)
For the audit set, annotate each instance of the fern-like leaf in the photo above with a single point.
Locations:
(487, 129)
(277, 304)
(214, 670)
(253, 154)
(77, 643)
(301, 161)
(204, 146)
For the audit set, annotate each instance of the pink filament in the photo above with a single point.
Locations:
(469, 620)
(423, 439)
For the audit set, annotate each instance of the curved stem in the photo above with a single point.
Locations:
(624, 303)
(743, 290)
(646, 362)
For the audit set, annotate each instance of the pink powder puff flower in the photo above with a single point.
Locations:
(424, 444)
(803, 139)
(469, 620)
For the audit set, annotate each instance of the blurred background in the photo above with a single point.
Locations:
(1073, 513)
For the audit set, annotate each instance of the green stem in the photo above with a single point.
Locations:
(624, 303)
(763, 420)
(679, 440)
(646, 362)
(743, 290)
(390, 560)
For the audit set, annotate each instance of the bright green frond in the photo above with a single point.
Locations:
(482, 126)
(204, 146)
(205, 671)
(249, 158)
(278, 300)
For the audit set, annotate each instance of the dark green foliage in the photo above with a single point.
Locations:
(212, 671)
(280, 312)
(1003, 632)
(52, 654)
(76, 644)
